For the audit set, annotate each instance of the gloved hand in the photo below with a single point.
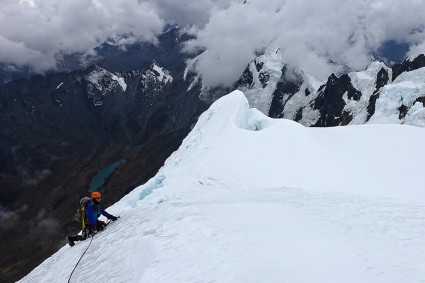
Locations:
(100, 226)
(113, 218)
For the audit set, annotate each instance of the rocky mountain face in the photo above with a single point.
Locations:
(379, 94)
(58, 131)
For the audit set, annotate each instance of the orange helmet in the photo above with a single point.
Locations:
(95, 195)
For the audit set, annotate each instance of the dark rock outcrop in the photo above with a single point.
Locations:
(381, 81)
(407, 65)
(285, 89)
(330, 102)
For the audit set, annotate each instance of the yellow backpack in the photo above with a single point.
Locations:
(80, 216)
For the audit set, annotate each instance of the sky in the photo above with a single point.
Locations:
(37, 33)
(247, 198)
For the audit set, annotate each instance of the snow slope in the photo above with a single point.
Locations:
(250, 199)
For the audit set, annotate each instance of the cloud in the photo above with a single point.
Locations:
(36, 32)
(192, 12)
(9, 218)
(310, 33)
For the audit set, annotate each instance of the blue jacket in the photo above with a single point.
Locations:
(93, 211)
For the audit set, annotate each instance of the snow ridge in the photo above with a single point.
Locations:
(247, 198)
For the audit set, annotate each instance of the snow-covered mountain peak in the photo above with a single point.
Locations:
(101, 82)
(261, 77)
(101, 79)
(161, 73)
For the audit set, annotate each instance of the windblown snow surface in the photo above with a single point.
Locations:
(250, 199)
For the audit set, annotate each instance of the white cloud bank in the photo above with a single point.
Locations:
(310, 33)
(35, 32)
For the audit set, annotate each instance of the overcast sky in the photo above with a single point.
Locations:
(36, 32)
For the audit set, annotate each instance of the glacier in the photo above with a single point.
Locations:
(247, 198)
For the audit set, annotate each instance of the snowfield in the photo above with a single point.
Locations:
(250, 199)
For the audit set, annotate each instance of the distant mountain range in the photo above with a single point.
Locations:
(137, 105)
(379, 94)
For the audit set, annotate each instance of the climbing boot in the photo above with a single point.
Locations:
(70, 241)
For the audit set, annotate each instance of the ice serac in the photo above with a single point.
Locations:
(403, 100)
(217, 123)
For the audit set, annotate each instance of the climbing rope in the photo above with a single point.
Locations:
(80, 258)
(69, 279)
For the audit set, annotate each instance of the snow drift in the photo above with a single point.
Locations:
(250, 199)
